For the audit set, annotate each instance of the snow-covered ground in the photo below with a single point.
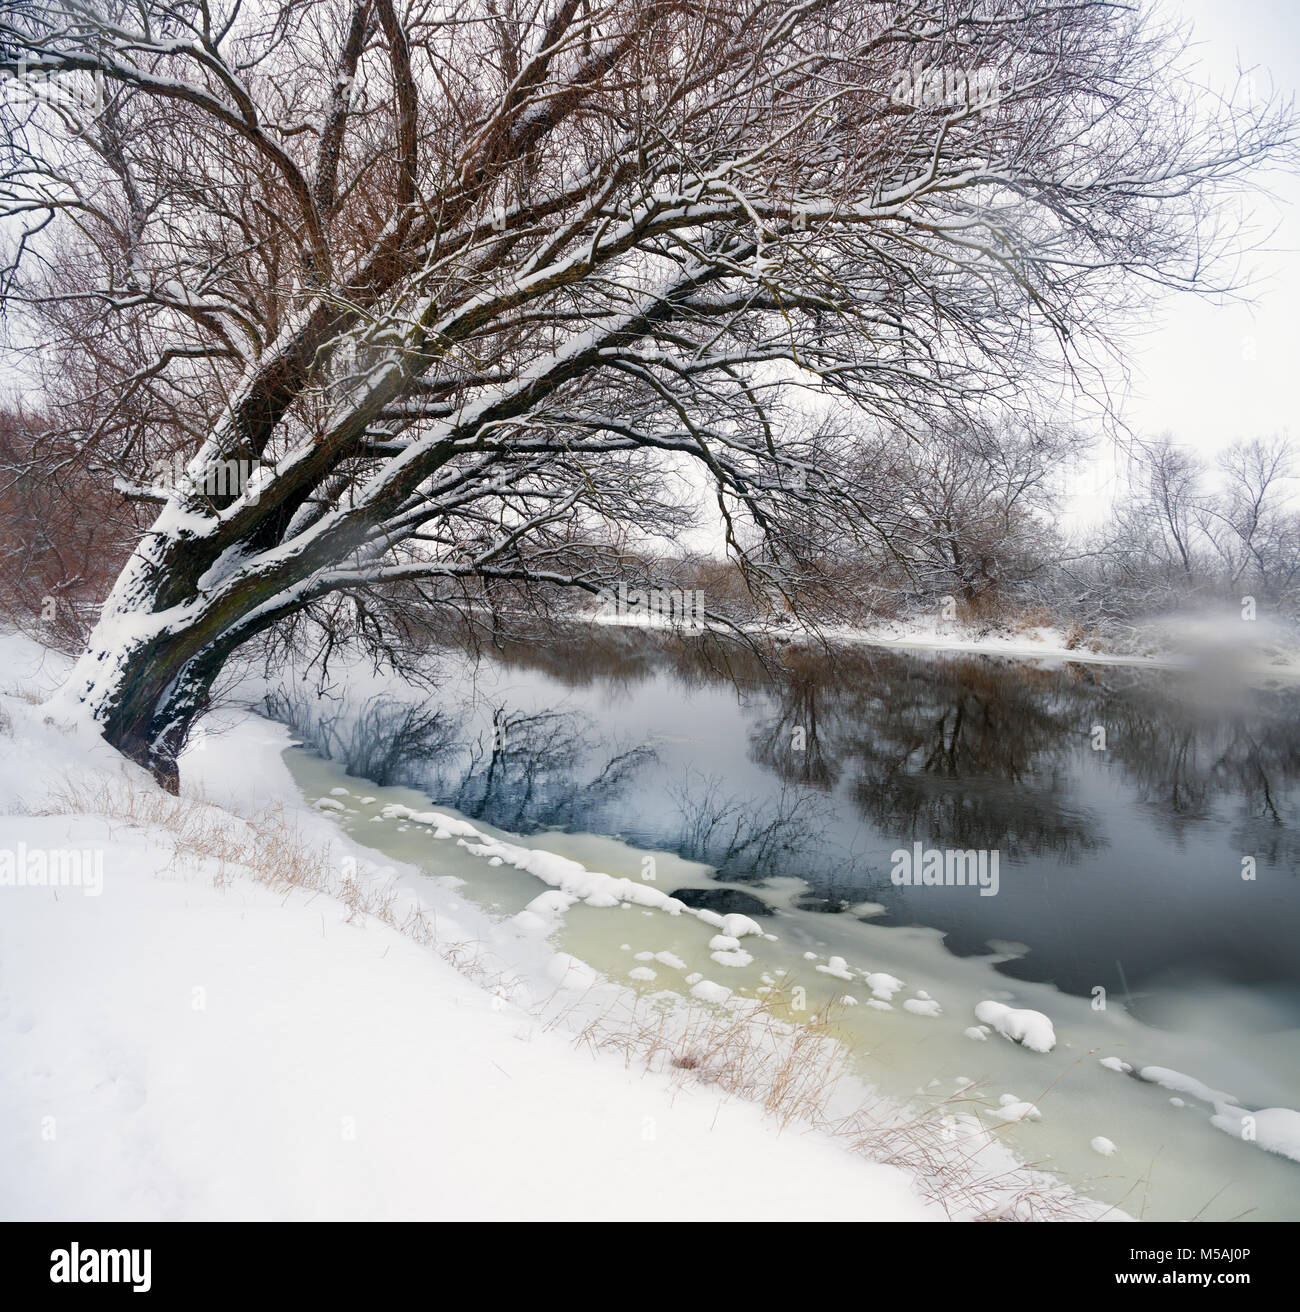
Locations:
(209, 1011)
(926, 633)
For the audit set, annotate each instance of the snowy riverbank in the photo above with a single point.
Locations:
(1220, 644)
(222, 1007)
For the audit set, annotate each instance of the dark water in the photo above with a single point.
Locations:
(1119, 868)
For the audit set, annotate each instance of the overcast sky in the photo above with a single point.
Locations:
(1209, 373)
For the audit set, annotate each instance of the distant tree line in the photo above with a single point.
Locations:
(972, 531)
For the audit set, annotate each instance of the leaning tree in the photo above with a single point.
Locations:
(432, 292)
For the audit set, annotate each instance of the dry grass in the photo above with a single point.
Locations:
(1035, 617)
(793, 1070)
(1077, 636)
(985, 608)
(789, 1070)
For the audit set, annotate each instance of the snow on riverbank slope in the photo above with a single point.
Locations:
(180, 1039)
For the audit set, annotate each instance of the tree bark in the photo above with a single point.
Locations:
(148, 668)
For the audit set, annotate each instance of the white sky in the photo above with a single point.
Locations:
(1209, 373)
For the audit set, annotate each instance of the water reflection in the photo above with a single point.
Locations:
(1184, 756)
(1121, 866)
(528, 771)
(745, 837)
(954, 754)
(386, 739)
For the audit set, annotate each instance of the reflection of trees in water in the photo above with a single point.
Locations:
(1184, 756)
(385, 740)
(745, 838)
(526, 774)
(622, 659)
(972, 759)
(944, 815)
(790, 742)
(954, 752)
(981, 753)
(741, 837)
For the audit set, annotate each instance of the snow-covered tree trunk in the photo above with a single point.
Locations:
(148, 668)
